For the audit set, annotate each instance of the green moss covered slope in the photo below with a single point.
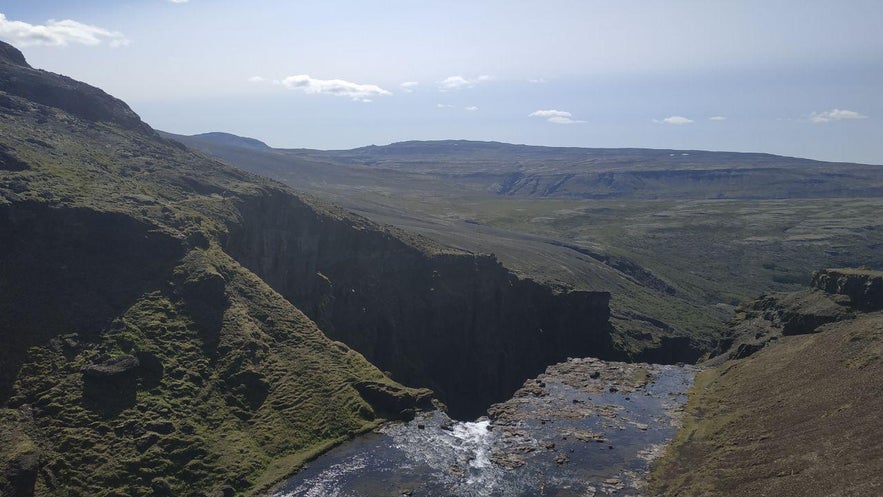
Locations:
(138, 358)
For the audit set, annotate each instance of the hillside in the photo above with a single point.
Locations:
(797, 415)
(678, 237)
(150, 311)
(583, 173)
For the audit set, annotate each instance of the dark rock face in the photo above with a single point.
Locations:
(84, 101)
(248, 388)
(9, 162)
(151, 369)
(459, 324)
(670, 350)
(392, 401)
(75, 268)
(111, 386)
(21, 475)
(863, 287)
(835, 295)
(206, 300)
(800, 312)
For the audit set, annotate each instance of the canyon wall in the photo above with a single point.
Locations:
(458, 323)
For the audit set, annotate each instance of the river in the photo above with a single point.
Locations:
(583, 428)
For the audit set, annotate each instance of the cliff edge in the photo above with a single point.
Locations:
(150, 311)
(798, 416)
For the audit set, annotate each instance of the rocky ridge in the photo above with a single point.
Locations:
(834, 295)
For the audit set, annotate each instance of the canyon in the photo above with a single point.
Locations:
(195, 316)
(152, 302)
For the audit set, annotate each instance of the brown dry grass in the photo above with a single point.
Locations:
(800, 418)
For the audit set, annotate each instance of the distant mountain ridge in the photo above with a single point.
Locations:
(560, 172)
(232, 140)
(435, 147)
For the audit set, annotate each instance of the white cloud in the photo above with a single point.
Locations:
(443, 106)
(556, 116)
(537, 81)
(717, 118)
(471, 108)
(256, 79)
(550, 113)
(179, 1)
(453, 83)
(676, 120)
(57, 33)
(834, 115)
(563, 120)
(337, 87)
(408, 86)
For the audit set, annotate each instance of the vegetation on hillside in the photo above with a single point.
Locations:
(799, 416)
(677, 237)
(139, 358)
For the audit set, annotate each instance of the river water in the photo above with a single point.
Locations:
(586, 428)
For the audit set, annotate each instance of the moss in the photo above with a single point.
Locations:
(195, 428)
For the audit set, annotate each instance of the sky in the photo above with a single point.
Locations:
(800, 78)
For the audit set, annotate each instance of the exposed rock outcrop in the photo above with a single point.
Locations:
(835, 295)
(76, 269)
(864, 287)
(20, 474)
(111, 385)
(392, 401)
(458, 323)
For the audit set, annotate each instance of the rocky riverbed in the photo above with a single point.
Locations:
(585, 427)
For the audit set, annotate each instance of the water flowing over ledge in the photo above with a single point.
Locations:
(584, 427)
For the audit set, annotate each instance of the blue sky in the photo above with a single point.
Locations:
(801, 78)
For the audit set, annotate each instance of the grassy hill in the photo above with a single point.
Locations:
(678, 237)
(799, 416)
(138, 357)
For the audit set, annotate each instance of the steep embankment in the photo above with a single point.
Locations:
(144, 355)
(458, 323)
(138, 358)
(799, 416)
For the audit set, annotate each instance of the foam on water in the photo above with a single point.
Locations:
(461, 453)
(433, 455)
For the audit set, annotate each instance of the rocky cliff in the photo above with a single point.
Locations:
(145, 355)
(863, 287)
(834, 295)
(458, 323)
(138, 358)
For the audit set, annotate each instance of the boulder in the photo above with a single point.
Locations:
(20, 475)
(111, 386)
(392, 401)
